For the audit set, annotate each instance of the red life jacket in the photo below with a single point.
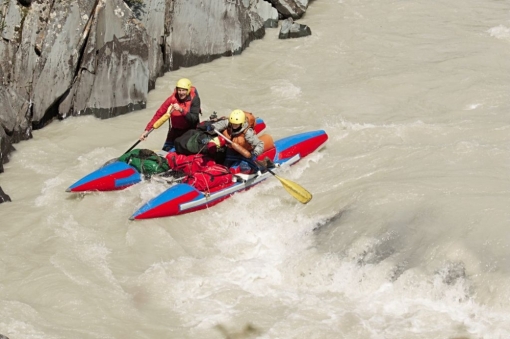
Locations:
(178, 121)
(177, 118)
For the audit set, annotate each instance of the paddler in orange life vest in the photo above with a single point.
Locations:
(237, 128)
(184, 104)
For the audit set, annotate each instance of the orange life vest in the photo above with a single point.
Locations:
(268, 142)
(239, 138)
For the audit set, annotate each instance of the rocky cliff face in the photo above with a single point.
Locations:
(60, 58)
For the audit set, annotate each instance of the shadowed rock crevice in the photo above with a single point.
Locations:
(51, 113)
(25, 3)
(3, 198)
(6, 148)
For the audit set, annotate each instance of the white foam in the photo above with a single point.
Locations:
(286, 89)
(472, 106)
(500, 32)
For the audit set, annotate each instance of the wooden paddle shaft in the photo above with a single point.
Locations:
(238, 148)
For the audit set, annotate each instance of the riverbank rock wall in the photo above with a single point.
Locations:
(61, 58)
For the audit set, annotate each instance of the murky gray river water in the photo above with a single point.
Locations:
(407, 234)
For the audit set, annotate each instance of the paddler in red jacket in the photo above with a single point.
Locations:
(184, 108)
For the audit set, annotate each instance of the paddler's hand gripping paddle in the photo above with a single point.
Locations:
(156, 125)
(297, 191)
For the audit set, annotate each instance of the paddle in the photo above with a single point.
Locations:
(238, 148)
(156, 125)
(297, 191)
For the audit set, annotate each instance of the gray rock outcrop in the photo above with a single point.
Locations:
(226, 28)
(291, 29)
(290, 8)
(268, 13)
(60, 58)
(112, 72)
(3, 198)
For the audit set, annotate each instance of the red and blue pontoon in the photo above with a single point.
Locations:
(184, 198)
(118, 175)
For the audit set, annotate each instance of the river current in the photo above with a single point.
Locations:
(407, 235)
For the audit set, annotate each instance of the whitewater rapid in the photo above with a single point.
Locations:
(406, 235)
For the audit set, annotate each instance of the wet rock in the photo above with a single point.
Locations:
(268, 13)
(60, 40)
(291, 29)
(290, 8)
(227, 29)
(113, 73)
(3, 198)
(11, 15)
(5, 149)
(14, 121)
(155, 17)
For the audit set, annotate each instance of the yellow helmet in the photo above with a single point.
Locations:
(237, 117)
(184, 83)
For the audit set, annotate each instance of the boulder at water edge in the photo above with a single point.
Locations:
(291, 29)
(3, 198)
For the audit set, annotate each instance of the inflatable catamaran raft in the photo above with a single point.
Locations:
(185, 197)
